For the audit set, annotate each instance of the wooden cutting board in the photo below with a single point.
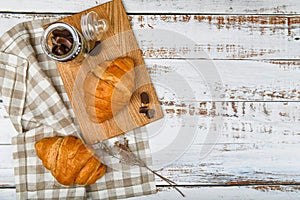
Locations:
(118, 41)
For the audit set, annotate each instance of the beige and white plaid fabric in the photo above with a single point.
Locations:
(35, 99)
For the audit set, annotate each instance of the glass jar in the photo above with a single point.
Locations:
(58, 33)
(64, 43)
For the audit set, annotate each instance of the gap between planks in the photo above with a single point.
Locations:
(172, 6)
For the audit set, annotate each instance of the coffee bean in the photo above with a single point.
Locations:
(143, 109)
(61, 33)
(145, 98)
(64, 41)
(58, 50)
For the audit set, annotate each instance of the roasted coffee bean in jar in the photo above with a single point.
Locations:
(63, 43)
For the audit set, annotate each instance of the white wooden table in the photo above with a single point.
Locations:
(245, 113)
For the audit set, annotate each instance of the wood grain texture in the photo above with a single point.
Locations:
(161, 6)
(118, 41)
(206, 36)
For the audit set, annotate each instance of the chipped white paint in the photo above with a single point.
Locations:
(206, 36)
(258, 142)
(255, 92)
(256, 37)
(160, 6)
(211, 193)
(227, 193)
(228, 80)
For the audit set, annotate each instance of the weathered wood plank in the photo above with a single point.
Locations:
(6, 166)
(6, 160)
(160, 6)
(228, 193)
(7, 178)
(8, 193)
(228, 164)
(237, 164)
(245, 146)
(222, 193)
(225, 80)
(211, 36)
(258, 119)
(251, 143)
(6, 129)
(206, 36)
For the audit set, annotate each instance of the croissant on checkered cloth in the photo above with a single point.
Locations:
(108, 88)
(69, 160)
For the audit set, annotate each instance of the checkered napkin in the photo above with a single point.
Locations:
(38, 106)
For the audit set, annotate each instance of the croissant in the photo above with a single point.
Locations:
(69, 160)
(108, 88)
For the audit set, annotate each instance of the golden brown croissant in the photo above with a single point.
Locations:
(69, 160)
(108, 88)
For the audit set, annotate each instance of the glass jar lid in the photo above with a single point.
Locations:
(93, 26)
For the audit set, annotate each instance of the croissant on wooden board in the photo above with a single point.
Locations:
(108, 88)
(69, 160)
